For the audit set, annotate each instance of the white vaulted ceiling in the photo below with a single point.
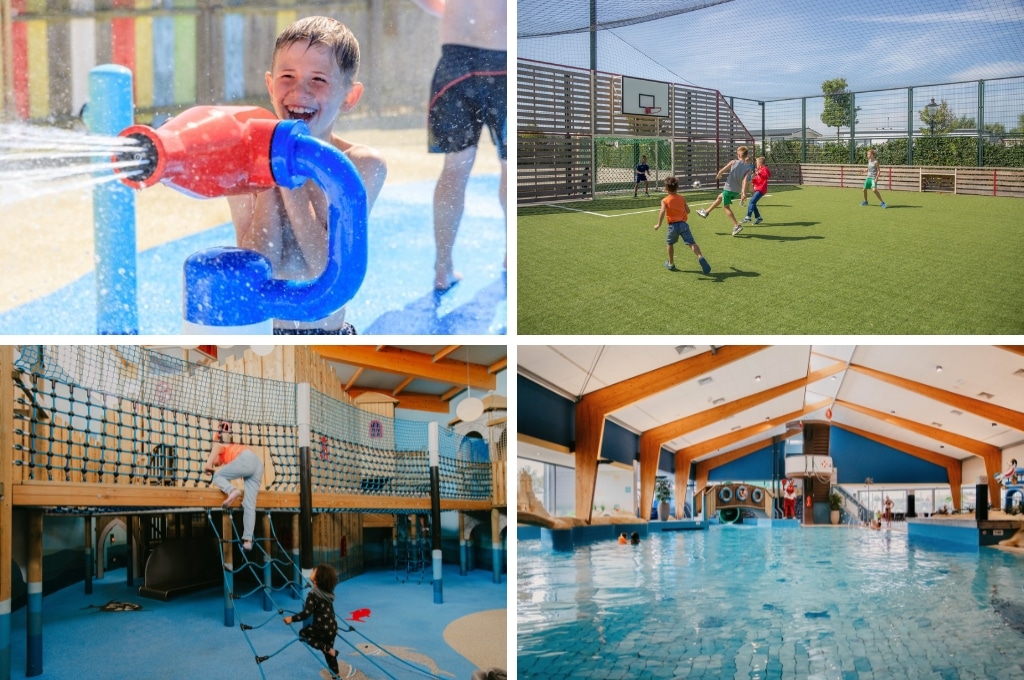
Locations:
(860, 394)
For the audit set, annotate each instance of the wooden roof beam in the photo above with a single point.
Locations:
(992, 412)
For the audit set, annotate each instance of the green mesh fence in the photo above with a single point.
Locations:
(129, 415)
(965, 124)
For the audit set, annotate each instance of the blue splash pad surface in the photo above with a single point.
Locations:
(396, 296)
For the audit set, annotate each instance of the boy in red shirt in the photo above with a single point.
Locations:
(674, 207)
(759, 178)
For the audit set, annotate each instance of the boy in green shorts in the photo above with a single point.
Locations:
(735, 186)
(871, 179)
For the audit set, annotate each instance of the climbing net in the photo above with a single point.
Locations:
(270, 562)
(130, 415)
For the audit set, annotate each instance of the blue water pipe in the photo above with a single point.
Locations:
(232, 290)
(111, 108)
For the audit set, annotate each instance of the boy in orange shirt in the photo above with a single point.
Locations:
(674, 207)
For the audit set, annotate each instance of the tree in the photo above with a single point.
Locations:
(837, 112)
(940, 122)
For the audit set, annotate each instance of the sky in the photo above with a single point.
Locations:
(766, 50)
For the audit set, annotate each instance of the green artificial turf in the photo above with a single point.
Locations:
(819, 264)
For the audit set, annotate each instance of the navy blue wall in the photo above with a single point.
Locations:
(756, 465)
(858, 458)
(544, 414)
(619, 444)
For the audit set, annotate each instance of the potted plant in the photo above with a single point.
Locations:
(835, 504)
(663, 494)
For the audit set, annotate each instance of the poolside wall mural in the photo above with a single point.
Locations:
(188, 52)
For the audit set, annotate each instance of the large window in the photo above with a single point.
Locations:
(555, 487)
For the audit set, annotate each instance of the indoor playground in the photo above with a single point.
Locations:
(608, 108)
(770, 511)
(120, 555)
(110, 201)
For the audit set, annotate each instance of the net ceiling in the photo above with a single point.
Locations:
(770, 50)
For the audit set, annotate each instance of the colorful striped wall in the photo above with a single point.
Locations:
(187, 52)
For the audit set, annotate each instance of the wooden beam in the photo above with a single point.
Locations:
(138, 496)
(953, 467)
(1016, 349)
(444, 352)
(650, 454)
(712, 445)
(407, 362)
(629, 391)
(6, 481)
(992, 412)
(678, 428)
(704, 467)
(353, 379)
(452, 393)
(593, 408)
(401, 386)
(414, 401)
(973, 446)
(498, 366)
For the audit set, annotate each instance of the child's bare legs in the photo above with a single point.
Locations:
(696, 250)
(671, 254)
(449, 203)
(728, 211)
(877, 195)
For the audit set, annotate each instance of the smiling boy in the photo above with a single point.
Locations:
(313, 79)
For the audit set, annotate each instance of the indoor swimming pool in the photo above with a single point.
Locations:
(748, 602)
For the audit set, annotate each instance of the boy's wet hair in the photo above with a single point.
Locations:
(328, 32)
(672, 183)
(326, 578)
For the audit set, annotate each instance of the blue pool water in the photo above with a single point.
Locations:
(748, 602)
(396, 297)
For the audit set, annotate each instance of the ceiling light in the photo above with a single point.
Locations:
(470, 408)
(683, 349)
(705, 381)
(986, 395)
(957, 413)
(993, 424)
(936, 424)
(716, 402)
(938, 369)
(757, 378)
(1019, 373)
(892, 413)
(942, 446)
(262, 350)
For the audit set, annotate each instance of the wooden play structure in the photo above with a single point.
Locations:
(733, 498)
(120, 435)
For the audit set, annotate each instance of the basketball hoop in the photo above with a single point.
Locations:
(651, 110)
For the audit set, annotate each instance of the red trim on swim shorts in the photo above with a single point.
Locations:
(459, 80)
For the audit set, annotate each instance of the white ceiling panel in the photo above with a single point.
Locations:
(967, 370)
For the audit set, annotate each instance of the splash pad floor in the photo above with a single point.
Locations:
(396, 297)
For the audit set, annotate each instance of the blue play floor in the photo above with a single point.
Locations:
(186, 637)
(396, 297)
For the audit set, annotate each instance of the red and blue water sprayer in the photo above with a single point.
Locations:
(212, 151)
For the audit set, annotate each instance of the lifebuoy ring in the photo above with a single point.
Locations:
(741, 493)
(725, 494)
(756, 495)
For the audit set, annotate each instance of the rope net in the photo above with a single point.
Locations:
(130, 415)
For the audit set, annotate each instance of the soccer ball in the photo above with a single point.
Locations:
(696, 184)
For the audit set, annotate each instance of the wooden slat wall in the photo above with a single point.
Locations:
(973, 181)
(555, 134)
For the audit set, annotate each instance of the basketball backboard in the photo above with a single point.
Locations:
(644, 97)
